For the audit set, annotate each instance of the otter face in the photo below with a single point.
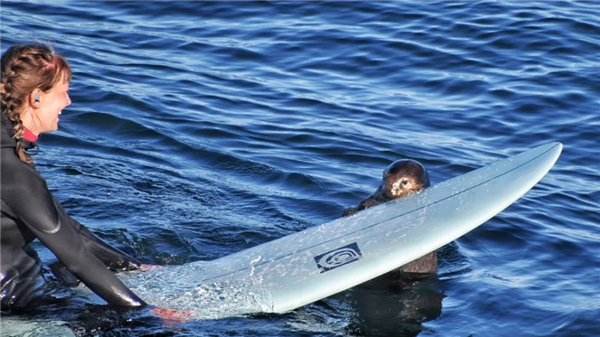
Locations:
(403, 177)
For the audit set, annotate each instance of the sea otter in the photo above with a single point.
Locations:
(402, 178)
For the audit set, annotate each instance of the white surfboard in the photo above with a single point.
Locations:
(304, 267)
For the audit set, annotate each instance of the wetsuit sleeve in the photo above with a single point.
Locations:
(31, 201)
(112, 257)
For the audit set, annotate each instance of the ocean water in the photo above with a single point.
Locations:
(199, 129)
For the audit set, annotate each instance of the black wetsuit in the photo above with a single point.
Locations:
(29, 211)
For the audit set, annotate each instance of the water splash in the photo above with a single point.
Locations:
(181, 287)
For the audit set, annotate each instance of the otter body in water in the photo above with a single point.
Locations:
(401, 178)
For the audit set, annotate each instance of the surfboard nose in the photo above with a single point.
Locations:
(559, 147)
(555, 151)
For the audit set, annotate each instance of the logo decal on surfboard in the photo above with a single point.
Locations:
(338, 257)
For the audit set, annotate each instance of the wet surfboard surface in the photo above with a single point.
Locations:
(320, 261)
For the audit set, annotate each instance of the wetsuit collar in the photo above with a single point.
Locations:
(7, 140)
(30, 136)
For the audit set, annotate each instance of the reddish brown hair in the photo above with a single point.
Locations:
(24, 69)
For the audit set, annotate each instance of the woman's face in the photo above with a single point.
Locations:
(50, 107)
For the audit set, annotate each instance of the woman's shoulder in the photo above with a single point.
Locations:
(21, 184)
(14, 171)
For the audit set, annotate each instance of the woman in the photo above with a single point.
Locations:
(35, 84)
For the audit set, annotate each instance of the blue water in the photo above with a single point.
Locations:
(199, 129)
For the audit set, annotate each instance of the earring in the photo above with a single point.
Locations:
(37, 97)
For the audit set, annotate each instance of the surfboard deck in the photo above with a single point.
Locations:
(304, 267)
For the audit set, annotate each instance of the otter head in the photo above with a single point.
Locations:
(403, 177)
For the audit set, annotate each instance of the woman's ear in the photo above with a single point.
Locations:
(35, 98)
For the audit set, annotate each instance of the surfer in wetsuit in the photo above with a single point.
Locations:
(34, 88)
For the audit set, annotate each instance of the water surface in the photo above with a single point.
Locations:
(199, 129)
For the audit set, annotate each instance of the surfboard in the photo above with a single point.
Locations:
(301, 268)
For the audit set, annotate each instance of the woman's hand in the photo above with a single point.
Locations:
(173, 315)
(168, 315)
(146, 267)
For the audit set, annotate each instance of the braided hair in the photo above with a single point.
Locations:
(26, 68)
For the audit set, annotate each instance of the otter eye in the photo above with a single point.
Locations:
(404, 182)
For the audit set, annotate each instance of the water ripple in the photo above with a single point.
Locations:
(200, 129)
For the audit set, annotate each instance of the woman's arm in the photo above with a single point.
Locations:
(29, 199)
